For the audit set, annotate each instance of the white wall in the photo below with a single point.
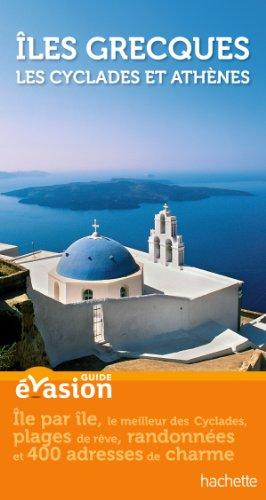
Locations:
(132, 321)
(9, 250)
(221, 306)
(128, 322)
(71, 290)
(67, 329)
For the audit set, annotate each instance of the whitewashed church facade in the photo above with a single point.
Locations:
(99, 297)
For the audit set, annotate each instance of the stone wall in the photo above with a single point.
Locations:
(256, 362)
(30, 346)
(13, 278)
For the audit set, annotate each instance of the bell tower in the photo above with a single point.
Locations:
(165, 245)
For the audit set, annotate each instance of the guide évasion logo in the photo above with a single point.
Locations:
(82, 387)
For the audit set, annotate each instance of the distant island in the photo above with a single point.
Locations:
(114, 194)
(22, 173)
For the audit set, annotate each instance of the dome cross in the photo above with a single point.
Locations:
(95, 227)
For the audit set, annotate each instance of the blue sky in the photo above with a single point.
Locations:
(136, 128)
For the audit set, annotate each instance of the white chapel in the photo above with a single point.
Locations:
(100, 297)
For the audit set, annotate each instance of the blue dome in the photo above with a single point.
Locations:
(99, 258)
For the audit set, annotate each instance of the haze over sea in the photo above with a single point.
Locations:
(226, 235)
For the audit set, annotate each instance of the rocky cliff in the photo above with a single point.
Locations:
(21, 345)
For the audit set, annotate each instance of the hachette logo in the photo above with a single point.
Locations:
(30, 387)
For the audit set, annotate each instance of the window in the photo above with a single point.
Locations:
(123, 291)
(87, 294)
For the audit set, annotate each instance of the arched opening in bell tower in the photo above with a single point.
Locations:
(162, 224)
(156, 247)
(173, 229)
(169, 251)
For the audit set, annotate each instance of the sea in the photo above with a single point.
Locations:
(224, 235)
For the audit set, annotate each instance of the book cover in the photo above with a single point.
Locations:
(132, 249)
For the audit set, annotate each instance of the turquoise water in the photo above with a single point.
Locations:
(224, 235)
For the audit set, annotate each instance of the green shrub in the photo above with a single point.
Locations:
(8, 357)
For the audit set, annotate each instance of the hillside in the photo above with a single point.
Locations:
(114, 194)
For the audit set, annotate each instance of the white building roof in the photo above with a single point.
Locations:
(186, 282)
(39, 263)
(5, 246)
